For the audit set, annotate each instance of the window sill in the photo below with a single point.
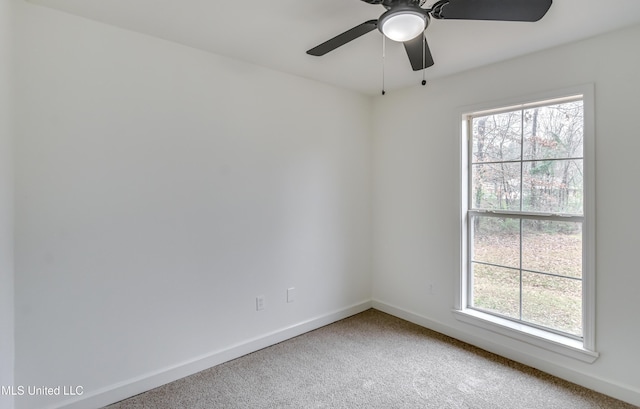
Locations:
(552, 342)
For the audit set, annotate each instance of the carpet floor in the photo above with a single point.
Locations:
(371, 360)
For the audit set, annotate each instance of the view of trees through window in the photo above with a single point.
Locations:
(526, 214)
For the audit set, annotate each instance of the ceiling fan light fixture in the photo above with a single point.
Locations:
(402, 24)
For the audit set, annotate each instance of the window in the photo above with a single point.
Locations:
(528, 220)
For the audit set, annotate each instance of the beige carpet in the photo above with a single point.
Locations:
(371, 360)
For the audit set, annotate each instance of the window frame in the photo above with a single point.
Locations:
(584, 348)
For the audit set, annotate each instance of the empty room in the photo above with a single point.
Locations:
(337, 204)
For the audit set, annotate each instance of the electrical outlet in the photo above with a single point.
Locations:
(260, 303)
(291, 294)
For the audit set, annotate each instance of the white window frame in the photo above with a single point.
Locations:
(582, 349)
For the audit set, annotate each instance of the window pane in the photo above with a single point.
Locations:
(554, 131)
(554, 302)
(497, 137)
(496, 289)
(553, 186)
(527, 267)
(552, 247)
(496, 186)
(496, 241)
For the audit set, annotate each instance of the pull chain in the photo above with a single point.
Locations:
(383, 55)
(424, 61)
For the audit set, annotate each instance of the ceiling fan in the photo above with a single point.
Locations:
(405, 21)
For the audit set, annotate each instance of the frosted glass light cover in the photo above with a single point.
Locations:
(403, 26)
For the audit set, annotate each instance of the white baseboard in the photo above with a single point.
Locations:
(131, 387)
(614, 389)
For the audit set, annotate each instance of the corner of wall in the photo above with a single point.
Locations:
(6, 207)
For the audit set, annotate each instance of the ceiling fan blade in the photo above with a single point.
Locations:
(419, 53)
(501, 10)
(342, 39)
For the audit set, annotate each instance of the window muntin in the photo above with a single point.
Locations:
(526, 213)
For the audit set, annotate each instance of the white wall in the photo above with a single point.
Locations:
(416, 194)
(6, 202)
(159, 190)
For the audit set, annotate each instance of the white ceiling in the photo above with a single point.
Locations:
(277, 33)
